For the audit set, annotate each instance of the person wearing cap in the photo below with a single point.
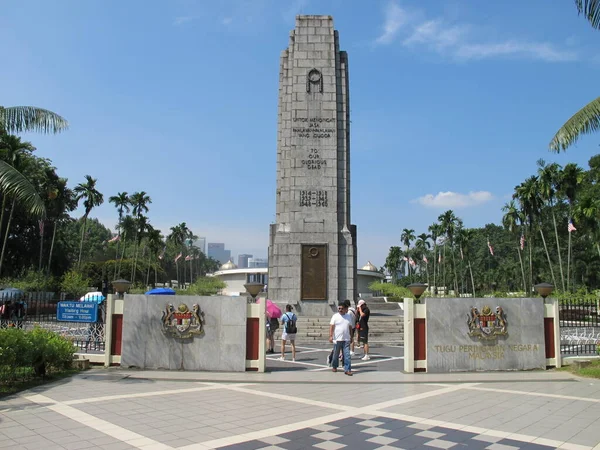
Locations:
(363, 327)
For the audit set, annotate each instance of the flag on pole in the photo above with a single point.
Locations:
(522, 241)
(177, 257)
(116, 238)
(188, 258)
(440, 258)
(425, 259)
(404, 258)
(491, 248)
(41, 225)
(162, 254)
(461, 254)
(571, 227)
(412, 262)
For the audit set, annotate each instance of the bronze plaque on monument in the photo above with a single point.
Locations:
(314, 272)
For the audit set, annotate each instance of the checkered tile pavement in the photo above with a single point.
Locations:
(382, 433)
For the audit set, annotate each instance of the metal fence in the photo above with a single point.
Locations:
(27, 313)
(579, 327)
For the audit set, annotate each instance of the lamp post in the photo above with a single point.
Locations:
(417, 289)
(121, 286)
(544, 289)
(254, 289)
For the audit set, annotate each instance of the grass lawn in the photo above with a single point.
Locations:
(591, 371)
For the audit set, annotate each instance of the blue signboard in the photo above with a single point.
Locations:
(77, 311)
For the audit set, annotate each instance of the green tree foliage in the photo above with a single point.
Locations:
(74, 284)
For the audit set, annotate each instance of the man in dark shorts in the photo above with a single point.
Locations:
(363, 327)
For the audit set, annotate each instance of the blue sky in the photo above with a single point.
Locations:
(452, 104)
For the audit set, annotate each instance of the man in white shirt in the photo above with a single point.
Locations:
(339, 334)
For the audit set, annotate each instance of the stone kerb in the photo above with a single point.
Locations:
(221, 348)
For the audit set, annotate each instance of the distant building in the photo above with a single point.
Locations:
(243, 261)
(254, 263)
(218, 252)
(201, 244)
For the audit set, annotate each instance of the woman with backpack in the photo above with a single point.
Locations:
(288, 321)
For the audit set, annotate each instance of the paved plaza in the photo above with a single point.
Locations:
(303, 404)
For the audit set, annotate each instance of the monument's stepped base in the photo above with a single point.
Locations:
(383, 330)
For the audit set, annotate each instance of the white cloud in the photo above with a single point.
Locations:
(454, 199)
(461, 41)
(395, 17)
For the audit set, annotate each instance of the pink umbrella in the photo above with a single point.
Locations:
(273, 310)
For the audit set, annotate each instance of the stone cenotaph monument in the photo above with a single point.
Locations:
(312, 244)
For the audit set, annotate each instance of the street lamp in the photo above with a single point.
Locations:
(544, 289)
(417, 289)
(254, 289)
(121, 286)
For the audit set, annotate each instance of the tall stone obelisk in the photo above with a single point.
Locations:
(312, 245)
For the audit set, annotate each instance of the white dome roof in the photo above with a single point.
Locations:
(228, 265)
(370, 267)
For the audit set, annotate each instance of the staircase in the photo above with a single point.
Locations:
(383, 330)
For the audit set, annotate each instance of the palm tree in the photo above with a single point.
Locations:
(91, 198)
(570, 180)
(464, 237)
(587, 119)
(155, 244)
(511, 221)
(128, 230)
(121, 201)
(14, 184)
(587, 211)
(435, 231)
(422, 247)
(58, 211)
(407, 237)
(527, 193)
(392, 262)
(18, 119)
(178, 236)
(548, 181)
(139, 202)
(449, 222)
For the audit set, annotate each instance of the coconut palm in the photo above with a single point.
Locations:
(548, 181)
(91, 198)
(139, 202)
(513, 221)
(570, 180)
(587, 119)
(18, 119)
(407, 237)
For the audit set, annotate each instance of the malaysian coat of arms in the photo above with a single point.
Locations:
(487, 324)
(182, 322)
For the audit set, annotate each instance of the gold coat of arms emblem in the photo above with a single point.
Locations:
(487, 324)
(182, 323)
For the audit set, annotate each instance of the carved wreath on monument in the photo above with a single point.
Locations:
(487, 325)
(314, 80)
(182, 323)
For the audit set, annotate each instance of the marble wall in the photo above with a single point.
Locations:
(450, 348)
(221, 348)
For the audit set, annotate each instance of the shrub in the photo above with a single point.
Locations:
(32, 281)
(395, 292)
(204, 286)
(74, 284)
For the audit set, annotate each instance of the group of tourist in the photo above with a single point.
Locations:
(346, 324)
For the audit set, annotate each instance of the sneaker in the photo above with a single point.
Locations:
(349, 373)
(334, 370)
(366, 358)
(352, 353)
(281, 358)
